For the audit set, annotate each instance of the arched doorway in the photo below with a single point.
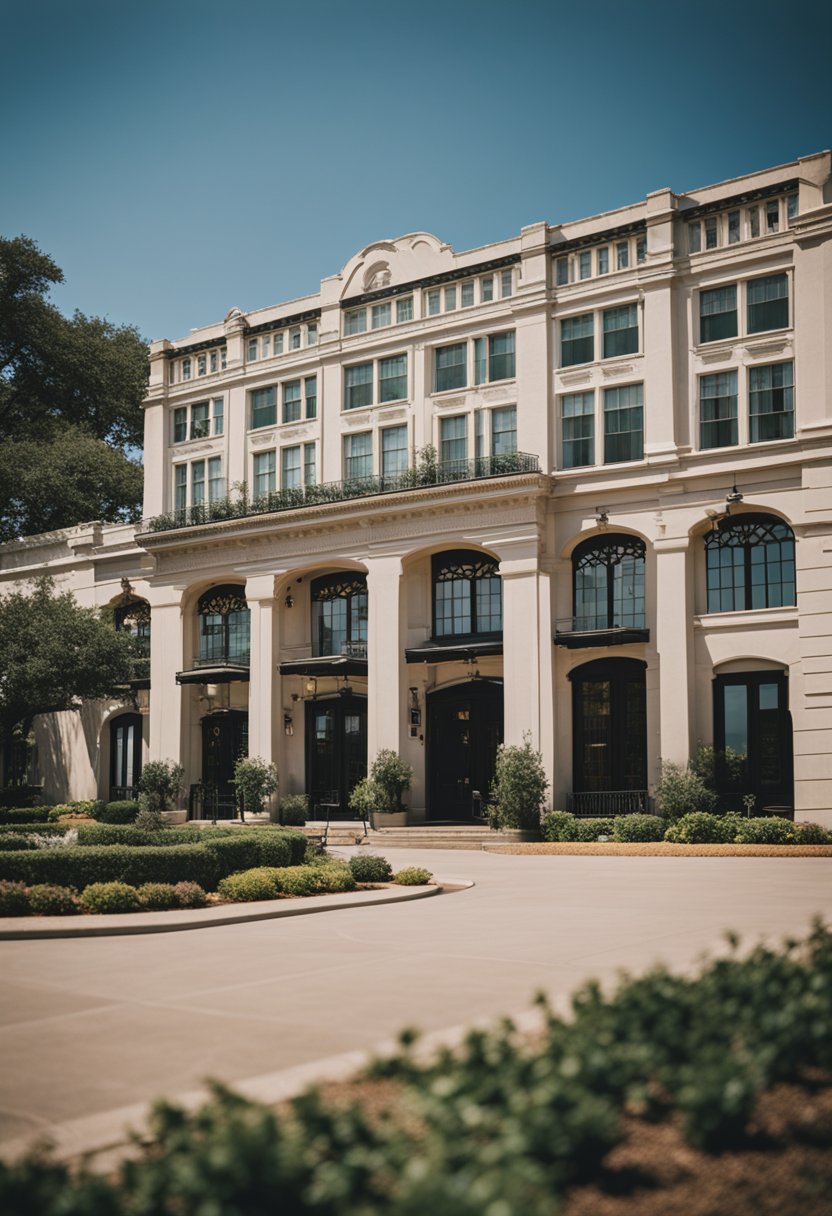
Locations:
(609, 736)
(224, 741)
(465, 728)
(753, 739)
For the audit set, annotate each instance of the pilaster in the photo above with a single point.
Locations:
(385, 655)
(674, 628)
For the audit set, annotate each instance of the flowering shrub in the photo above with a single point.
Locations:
(412, 876)
(812, 833)
(109, 897)
(190, 895)
(157, 896)
(48, 900)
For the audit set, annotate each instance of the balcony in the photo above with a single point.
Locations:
(220, 669)
(350, 661)
(429, 473)
(577, 632)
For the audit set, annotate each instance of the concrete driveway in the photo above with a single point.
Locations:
(94, 1025)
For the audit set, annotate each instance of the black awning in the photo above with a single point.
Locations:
(619, 635)
(324, 665)
(453, 652)
(212, 675)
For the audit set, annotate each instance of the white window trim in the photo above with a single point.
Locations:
(598, 334)
(470, 369)
(741, 282)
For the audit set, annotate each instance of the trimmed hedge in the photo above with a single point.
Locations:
(412, 876)
(249, 885)
(24, 814)
(562, 826)
(638, 828)
(812, 833)
(110, 897)
(42, 829)
(270, 882)
(771, 830)
(370, 868)
(117, 812)
(82, 865)
(14, 898)
(46, 900)
(157, 896)
(128, 833)
(701, 827)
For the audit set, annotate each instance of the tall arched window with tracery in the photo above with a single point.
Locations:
(339, 614)
(467, 594)
(750, 564)
(224, 629)
(133, 617)
(609, 583)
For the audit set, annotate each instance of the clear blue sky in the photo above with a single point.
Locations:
(177, 158)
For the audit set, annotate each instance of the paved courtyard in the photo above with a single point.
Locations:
(93, 1025)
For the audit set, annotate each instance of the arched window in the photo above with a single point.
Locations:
(467, 594)
(339, 615)
(133, 617)
(609, 583)
(750, 564)
(223, 626)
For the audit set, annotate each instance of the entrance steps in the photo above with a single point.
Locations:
(424, 836)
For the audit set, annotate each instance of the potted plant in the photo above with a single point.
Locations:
(160, 785)
(389, 778)
(255, 781)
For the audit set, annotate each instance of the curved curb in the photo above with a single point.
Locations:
(175, 922)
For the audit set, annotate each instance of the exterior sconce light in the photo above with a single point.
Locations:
(143, 700)
(289, 601)
(288, 725)
(414, 713)
(311, 687)
(602, 516)
(733, 497)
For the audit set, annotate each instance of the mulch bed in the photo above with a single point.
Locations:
(663, 848)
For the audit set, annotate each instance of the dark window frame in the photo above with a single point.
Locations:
(610, 551)
(744, 535)
(474, 567)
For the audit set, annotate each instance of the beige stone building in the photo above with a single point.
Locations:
(575, 484)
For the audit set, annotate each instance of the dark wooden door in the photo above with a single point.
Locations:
(224, 741)
(465, 728)
(753, 739)
(336, 750)
(609, 725)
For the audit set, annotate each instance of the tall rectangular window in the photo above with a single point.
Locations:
(504, 431)
(603, 260)
(711, 232)
(641, 250)
(506, 284)
(453, 440)
(584, 264)
(312, 335)
(216, 482)
(393, 451)
(201, 365)
(771, 402)
(450, 299)
(310, 388)
(358, 455)
(768, 303)
(718, 410)
(733, 227)
(214, 360)
(694, 236)
(434, 302)
(392, 378)
(501, 356)
(449, 367)
(266, 346)
(291, 401)
(577, 430)
(358, 386)
(486, 289)
(264, 474)
(186, 369)
(310, 473)
(278, 343)
(622, 255)
(404, 310)
(355, 322)
(620, 330)
(479, 434)
(197, 483)
(791, 208)
(180, 424)
(577, 341)
(294, 339)
(253, 350)
(772, 215)
(200, 427)
(381, 315)
(218, 416)
(562, 272)
(718, 313)
(264, 407)
(623, 424)
(290, 468)
(754, 220)
(180, 487)
(467, 294)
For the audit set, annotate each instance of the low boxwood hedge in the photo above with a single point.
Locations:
(82, 865)
(42, 829)
(636, 828)
(24, 814)
(128, 833)
(770, 830)
(117, 812)
(412, 876)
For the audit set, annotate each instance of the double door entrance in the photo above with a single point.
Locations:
(465, 728)
(753, 740)
(224, 741)
(336, 751)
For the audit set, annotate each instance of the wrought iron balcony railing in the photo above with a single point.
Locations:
(427, 474)
(237, 658)
(599, 629)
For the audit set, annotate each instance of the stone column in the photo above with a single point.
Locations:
(263, 700)
(385, 655)
(674, 636)
(167, 736)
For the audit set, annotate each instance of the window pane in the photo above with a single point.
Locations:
(218, 415)
(450, 299)
(310, 475)
(355, 322)
(504, 431)
(711, 233)
(449, 367)
(486, 289)
(506, 283)
(718, 313)
(694, 236)
(562, 272)
(641, 250)
(197, 483)
(264, 407)
(381, 315)
(622, 255)
(603, 261)
(771, 402)
(404, 310)
(358, 455)
(467, 294)
(393, 451)
(768, 303)
(180, 492)
(290, 468)
(264, 474)
(584, 264)
(733, 227)
(620, 330)
(278, 343)
(216, 482)
(358, 386)
(180, 424)
(199, 421)
(453, 439)
(718, 410)
(434, 301)
(291, 401)
(310, 388)
(392, 378)
(623, 424)
(578, 430)
(576, 340)
(501, 356)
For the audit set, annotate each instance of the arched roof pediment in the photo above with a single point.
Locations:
(389, 263)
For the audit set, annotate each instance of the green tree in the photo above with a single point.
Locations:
(65, 383)
(54, 655)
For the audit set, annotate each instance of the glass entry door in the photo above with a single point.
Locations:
(224, 741)
(125, 755)
(336, 751)
(753, 739)
(609, 724)
(465, 728)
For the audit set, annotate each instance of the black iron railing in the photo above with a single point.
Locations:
(589, 804)
(124, 793)
(238, 658)
(208, 802)
(427, 474)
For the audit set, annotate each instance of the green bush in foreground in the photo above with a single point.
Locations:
(47, 900)
(294, 810)
(560, 826)
(812, 833)
(110, 897)
(771, 830)
(116, 812)
(14, 899)
(249, 885)
(637, 828)
(701, 827)
(366, 867)
(412, 876)
(519, 789)
(502, 1125)
(157, 896)
(80, 866)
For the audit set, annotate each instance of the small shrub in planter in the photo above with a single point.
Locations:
(393, 775)
(14, 899)
(412, 876)
(255, 781)
(772, 830)
(190, 895)
(369, 868)
(638, 828)
(249, 885)
(157, 896)
(117, 812)
(807, 833)
(48, 900)
(294, 810)
(109, 897)
(519, 788)
(680, 791)
(701, 827)
(160, 784)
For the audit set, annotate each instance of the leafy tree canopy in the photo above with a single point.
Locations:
(76, 381)
(55, 654)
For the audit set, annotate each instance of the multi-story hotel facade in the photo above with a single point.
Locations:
(574, 486)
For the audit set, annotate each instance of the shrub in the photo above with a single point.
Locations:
(24, 814)
(299, 881)
(157, 896)
(701, 827)
(232, 853)
(255, 781)
(812, 833)
(131, 833)
(117, 812)
(260, 883)
(412, 876)
(149, 819)
(48, 900)
(86, 808)
(680, 791)
(9, 842)
(559, 825)
(190, 895)
(590, 829)
(771, 830)
(81, 866)
(393, 775)
(330, 876)
(42, 829)
(14, 899)
(638, 828)
(368, 797)
(366, 867)
(294, 810)
(109, 897)
(519, 788)
(273, 848)
(160, 783)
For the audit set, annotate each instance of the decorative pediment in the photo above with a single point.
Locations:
(387, 264)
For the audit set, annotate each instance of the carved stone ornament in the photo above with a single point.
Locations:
(377, 277)
(222, 601)
(465, 565)
(338, 586)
